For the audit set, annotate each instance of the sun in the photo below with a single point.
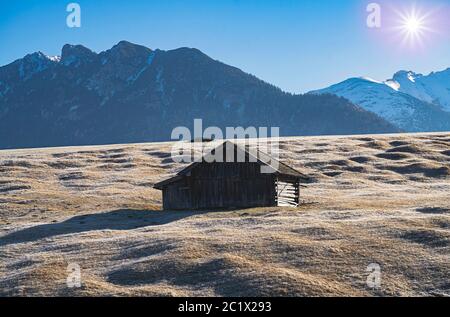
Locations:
(413, 26)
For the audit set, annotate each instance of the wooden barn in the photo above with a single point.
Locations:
(236, 184)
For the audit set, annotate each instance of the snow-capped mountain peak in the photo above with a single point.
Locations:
(411, 101)
(433, 88)
(404, 75)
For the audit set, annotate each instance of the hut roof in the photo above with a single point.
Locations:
(262, 158)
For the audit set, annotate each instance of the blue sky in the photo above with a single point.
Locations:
(296, 45)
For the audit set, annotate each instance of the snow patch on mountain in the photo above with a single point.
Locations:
(32, 64)
(55, 58)
(433, 88)
(393, 84)
(412, 102)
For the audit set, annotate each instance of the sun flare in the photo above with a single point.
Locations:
(413, 27)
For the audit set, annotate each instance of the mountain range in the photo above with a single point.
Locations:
(412, 102)
(131, 93)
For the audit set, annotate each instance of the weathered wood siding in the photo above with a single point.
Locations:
(177, 196)
(232, 182)
(221, 185)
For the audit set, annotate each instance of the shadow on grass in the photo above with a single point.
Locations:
(433, 210)
(113, 220)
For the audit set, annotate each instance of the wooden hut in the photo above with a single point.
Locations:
(235, 183)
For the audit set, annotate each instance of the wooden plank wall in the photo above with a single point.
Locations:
(230, 185)
(222, 185)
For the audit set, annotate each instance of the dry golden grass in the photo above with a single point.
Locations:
(374, 199)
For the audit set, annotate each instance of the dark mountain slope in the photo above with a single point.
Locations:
(133, 94)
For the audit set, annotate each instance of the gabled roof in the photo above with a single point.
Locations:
(262, 158)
